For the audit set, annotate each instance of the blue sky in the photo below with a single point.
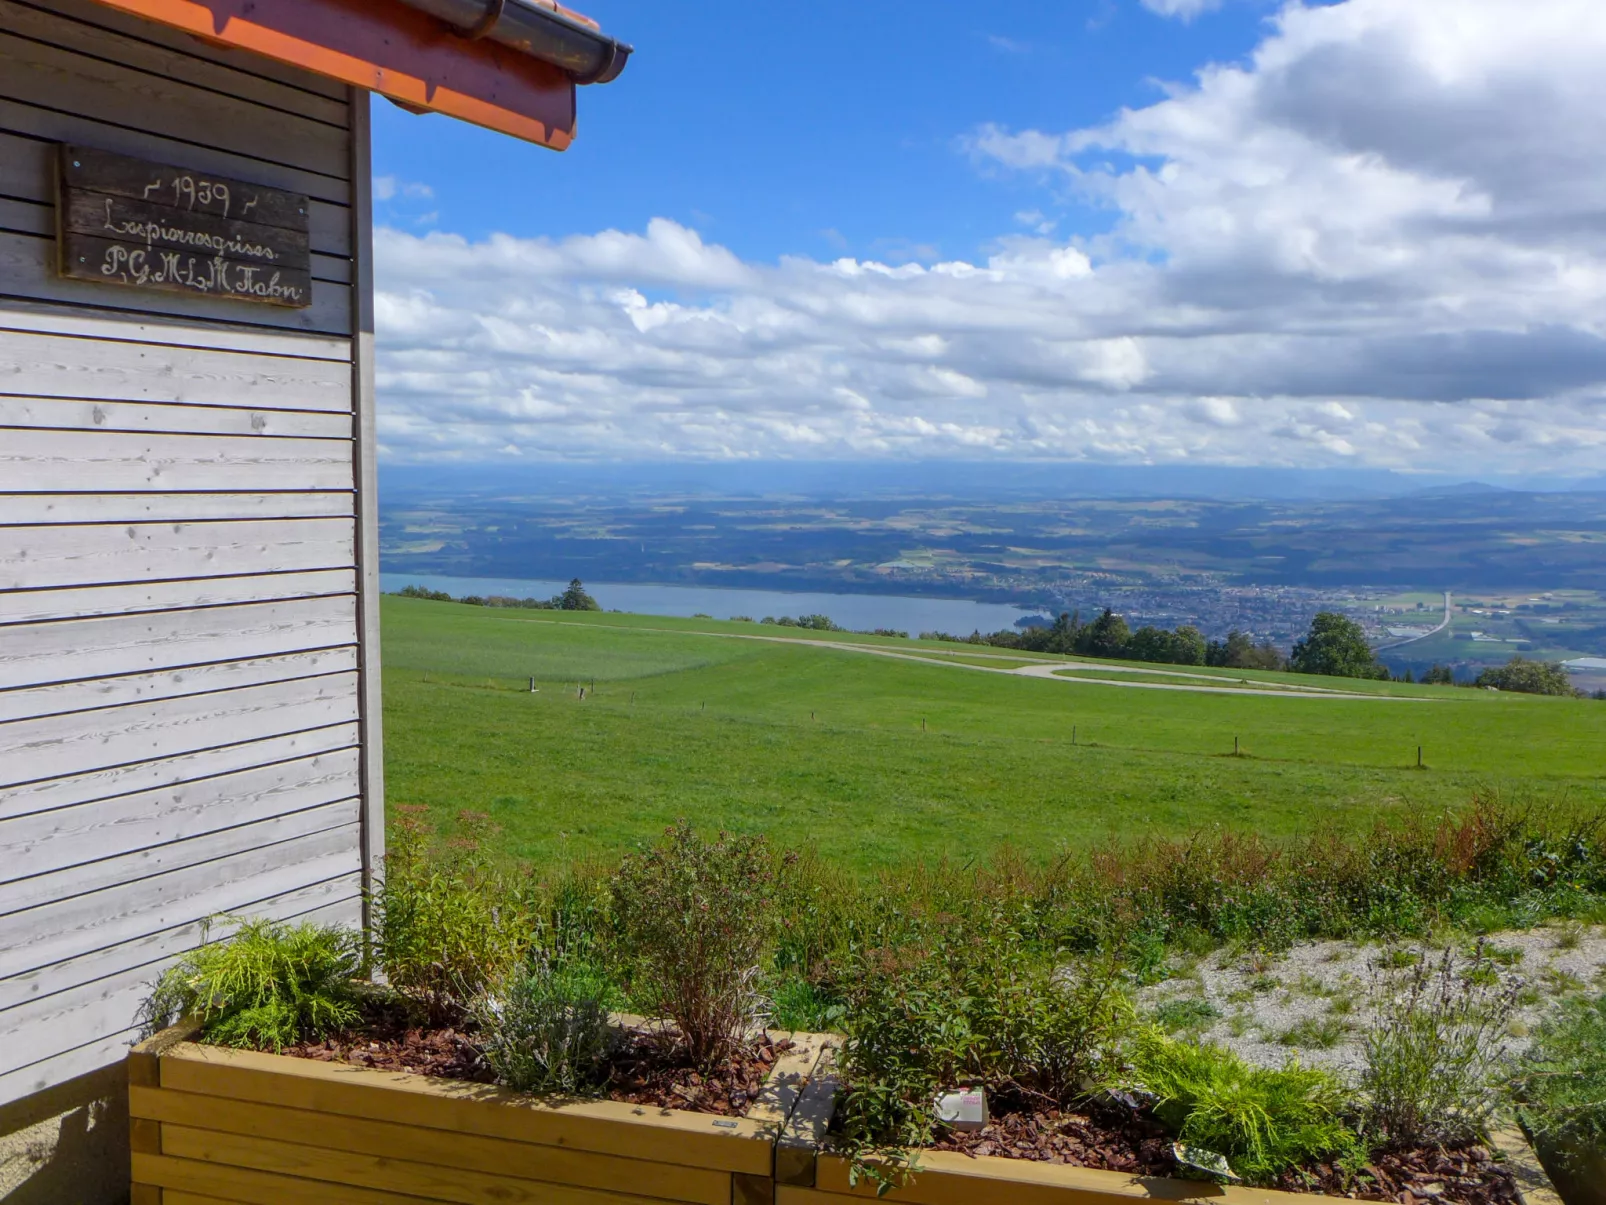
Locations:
(1293, 233)
(813, 129)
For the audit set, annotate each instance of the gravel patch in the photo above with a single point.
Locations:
(1311, 1002)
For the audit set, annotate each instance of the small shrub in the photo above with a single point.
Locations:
(1432, 1053)
(266, 987)
(1264, 1121)
(547, 1030)
(695, 915)
(961, 1002)
(1561, 1087)
(446, 923)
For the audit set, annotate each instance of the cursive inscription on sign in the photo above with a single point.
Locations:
(126, 221)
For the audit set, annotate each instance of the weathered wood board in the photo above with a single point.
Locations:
(128, 221)
(186, 658)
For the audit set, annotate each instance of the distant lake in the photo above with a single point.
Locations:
(858, 611)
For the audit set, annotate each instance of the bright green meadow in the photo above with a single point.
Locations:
(878, 759)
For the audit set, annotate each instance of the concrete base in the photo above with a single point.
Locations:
(68, 1144)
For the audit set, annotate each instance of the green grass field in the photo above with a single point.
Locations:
(878, 759)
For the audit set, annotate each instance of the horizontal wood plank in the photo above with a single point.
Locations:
(35, 460)
(111, 1044)
(241, 1186)
(42, 842)
(329, 901)
(39, 606)
(384, 1172)
(70, 790)
(75, 1016)
(109, 92)
(90, 12)
(43, 318)
(950, 1178)
(55, 1069)
(51, 933)
(28, 270)
(119, 870)
(102, 369)
(27, 177)
(66, 414)
(110, 646)
(58, 745)
(36, 510)
(263, 220)
(604, 1127)
(34, 558)
(68, 29)
(193, 276)
(47, 125)
(99, 694)
(440, 1149)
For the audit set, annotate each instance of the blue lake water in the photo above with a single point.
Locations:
(857, 611)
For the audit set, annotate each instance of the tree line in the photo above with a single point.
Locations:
(1111, 637)
(1335, 646)
(574, 598)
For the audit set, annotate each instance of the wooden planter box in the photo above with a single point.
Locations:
(213, 1125)
(950, 1178)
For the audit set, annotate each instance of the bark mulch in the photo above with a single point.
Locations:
(1111, 1137)
(1107, 1138)
(647, 1068)
(389, 1040)
(1466, 1174)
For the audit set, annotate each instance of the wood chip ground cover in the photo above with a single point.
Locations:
(647, 1067)
(1108, 1136)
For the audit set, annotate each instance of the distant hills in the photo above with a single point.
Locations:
(971, 481)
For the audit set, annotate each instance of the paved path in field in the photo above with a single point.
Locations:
(1443, 623)
(1047, 669)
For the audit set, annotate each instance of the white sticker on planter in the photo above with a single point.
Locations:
(963, 1110)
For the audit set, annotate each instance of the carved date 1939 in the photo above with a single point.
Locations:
(126, 221)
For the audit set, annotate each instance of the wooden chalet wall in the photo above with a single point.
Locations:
(187, 568)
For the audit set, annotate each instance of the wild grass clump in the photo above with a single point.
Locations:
(1264, 1121)
(447, 921)
(695, 916)
(1433, 1053)
(266, 987)
(1561, 1085)
(546, 1029)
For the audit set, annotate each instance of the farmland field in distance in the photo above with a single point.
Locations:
(890, 750)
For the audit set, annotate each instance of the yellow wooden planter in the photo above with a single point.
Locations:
(212, 1125)
(808, 1175)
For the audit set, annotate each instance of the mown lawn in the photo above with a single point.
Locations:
(878, 760)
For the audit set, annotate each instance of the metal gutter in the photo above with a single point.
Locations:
(543, 31)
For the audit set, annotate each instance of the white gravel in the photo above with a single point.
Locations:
(1312, 1001)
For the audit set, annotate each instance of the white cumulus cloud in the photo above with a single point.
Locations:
(1381, 239)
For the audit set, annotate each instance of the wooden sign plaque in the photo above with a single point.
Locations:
(125, 221)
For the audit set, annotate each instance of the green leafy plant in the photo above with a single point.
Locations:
(546, 1029)
(1433, 1051)
(1561, 1086)
(960, 1002)
(695, 915)
(265, 987)
(446, 922)
(1264, 1121)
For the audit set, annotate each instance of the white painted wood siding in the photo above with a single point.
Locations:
(184, 682)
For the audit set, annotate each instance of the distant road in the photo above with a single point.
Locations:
(1044, 669)
(1443, 623)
